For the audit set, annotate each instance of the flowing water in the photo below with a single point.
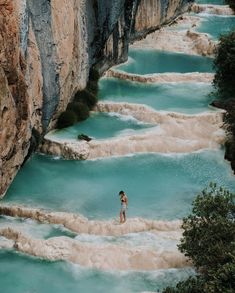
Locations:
(60, 277)
(216, 25)
(159, 187)
(176, 97)
(101, 125)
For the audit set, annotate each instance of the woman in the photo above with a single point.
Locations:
(124, 203)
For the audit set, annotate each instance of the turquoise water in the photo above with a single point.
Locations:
(101, 125)
(158, 186)
(153, 61)
(216, 2)
(170, 97)
(216, 25)
(34, 228)
(21, 274)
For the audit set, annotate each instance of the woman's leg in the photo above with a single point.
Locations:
(121, 216)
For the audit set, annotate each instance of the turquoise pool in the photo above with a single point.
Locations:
(216, 25)
(153, 61)
(100, 126)
(158, 186)
(216, 2)
(170, 97)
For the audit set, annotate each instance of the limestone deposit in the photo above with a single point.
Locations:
(106, 257)
(212, 9)
(162, 77)
(46, 51)
(80, 224)
(173, 133)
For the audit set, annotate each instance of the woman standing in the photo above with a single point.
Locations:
(124, 204)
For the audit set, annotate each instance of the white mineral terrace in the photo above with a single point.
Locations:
(173, 133)
(212, 9)
(106, 256)
(162, 77)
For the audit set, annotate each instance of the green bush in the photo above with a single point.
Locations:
(66, 119)
(80, 109)
(92, 87)
(231, 3)
(209, 241)
(224, 64)
(86, 97)
(94, 74)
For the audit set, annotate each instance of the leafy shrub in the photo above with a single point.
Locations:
(86, 97)
(225, 66)
(92, 87)
(94, 74)
(66, 118)
(231, 3)
(209, 241)
(80, 109)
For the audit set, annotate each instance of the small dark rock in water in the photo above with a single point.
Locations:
(84, 137)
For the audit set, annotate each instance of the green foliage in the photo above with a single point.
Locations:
(80, 109)
(209, 241)
(94, 74)
(209, 232)
(231, 3)
(225, 66)
(86, 97)
(66, 119)
(92, 87)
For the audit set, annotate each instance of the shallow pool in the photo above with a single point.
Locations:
(153, 61)
(216, 25)
(179, 97)
(215, 2)
(22, 274)
(158, 186)
(101, 125)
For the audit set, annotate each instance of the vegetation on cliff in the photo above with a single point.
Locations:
(225, 66)
(83, 102)
(225, 89)
(209, 241)
(231, 3)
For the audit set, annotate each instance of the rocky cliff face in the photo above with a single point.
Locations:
(47, 48)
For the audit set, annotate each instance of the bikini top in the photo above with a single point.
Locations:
(123, 200)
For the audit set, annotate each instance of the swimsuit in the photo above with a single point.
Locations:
(123, 205)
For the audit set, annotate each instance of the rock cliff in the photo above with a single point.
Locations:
(47, 48)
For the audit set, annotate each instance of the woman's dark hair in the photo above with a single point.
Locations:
(121, 192)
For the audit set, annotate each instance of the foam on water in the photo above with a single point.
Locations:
(33, 228)
(176, 97)
(160, 240)
(60, 277)
(159, 187)
(153, 61)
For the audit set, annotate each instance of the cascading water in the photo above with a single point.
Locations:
(91, 252)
